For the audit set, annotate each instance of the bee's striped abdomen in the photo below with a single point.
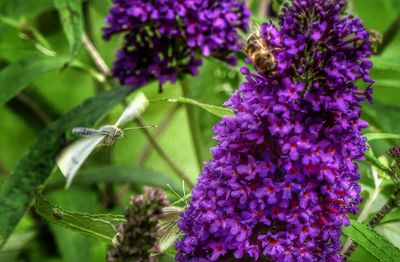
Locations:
(258, 51)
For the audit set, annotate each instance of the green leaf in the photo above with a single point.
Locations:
(216, 110)
(382, 63)
(374, 243)
(36, 166)
(277, 5)
(392, 217)
(118, 174)
(382, 123)
(387, 83)
(220, 80)
(16, 244)
(72, 245)
(166, 258)
(17, 76)
(97, 226)
(370, 158)
(182, 199)
(78, 65)
(72, 21)
(30, 34)
(377, 136)
(18, 8)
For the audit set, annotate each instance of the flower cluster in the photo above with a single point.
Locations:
(138, 237)
(164, 37)
(282, 179)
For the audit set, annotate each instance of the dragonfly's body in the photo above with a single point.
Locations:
(111, 133)
(71, 158)
(84, 131)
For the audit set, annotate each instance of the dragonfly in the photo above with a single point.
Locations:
(73, 156)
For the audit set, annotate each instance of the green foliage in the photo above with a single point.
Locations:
(183, 199)
(35, 167)
(72, 21)
(19, 75)
(382, 63)
(375, 244)
(35, 33)
(71, 245)
(18, 8)
(378, 136)
(371, 158)
(216, 110)
(392, 217)
(214, 85)
(135, 175)
(98, 226)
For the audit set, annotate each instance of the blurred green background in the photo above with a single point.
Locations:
(56, 92)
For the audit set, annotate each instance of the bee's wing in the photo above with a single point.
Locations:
(73, 156)
(134, 109)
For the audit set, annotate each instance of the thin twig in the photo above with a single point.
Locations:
(96, 57)
(33, 108)
(263, 8)
(98, 85)
(160, 129)
(162, 153)
(36, 110)
(196, 139)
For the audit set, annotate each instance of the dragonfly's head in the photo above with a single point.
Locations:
(118, 133)
(113, 133)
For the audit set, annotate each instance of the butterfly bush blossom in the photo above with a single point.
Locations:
(282, 179)
(138, 237)
(164, 37)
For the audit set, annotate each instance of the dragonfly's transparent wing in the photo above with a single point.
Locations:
(169, 227)
(134, 109)
(72, 157)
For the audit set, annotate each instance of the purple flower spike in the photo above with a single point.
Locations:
(282, 180)
(165, 38)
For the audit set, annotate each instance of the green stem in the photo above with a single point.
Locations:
(95, 55)
(161, 128)
(162, 153)
(196, 139)
(263, 8)
(89, 44)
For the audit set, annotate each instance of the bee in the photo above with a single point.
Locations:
(376, 39)
(259, 52)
